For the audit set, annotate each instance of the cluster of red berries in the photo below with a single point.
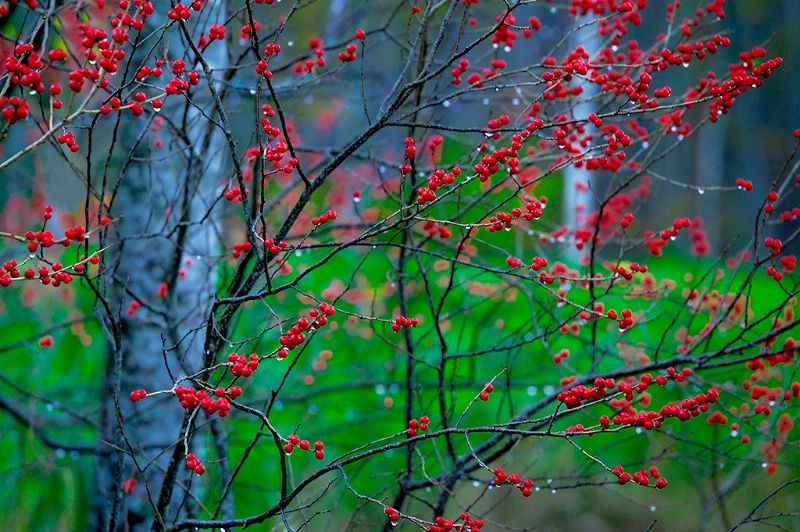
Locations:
(484, 395)
(349, 54)
(274, 248)
(436, 181)
(216, 32)
(191, 398)
(505, 220)
(402, 321)
(239, 248)
(411, 150)
(296, 335)
(392, 514)
(46, 341)
(128, 486)
(182, 12)
(513, 262)
(525, 486)
(295, 441)
(138, 395)
(656, 243)
(69, 139)
(460, 69)
(775, 274)
(11, 272)
(561, 356)
(307, 66)
(641, 477)
(242, 367)
(413, 425)
(490, 164)
(193, 463)
(58, 276)
(741, 184)
(25, 66)
(626, 220)
(235, 194)
(433, 229)
(577, 395)
(17, 109)
(769, 208)
(625, 321)
(775, 244)
(744, 75)
(538, 263)
(688, 409)
(628, 274)
(323, 218)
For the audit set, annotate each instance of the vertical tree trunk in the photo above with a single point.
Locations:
(167, 236)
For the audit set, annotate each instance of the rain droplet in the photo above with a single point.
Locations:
(357, 200)
(380, 389)
(701, 191)
(537, 488)
(645, 144)
(290, 43)
(652, 508)
(446, 103)
(252, 91)
(514, 101)
(60, 453)
(476, 483)
(506, 49)
(554, 492)
(485, 101)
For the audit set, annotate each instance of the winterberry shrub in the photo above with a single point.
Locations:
(426, 236)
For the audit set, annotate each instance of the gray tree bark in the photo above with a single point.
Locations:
(166, 233)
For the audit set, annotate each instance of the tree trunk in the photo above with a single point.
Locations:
(166, 236)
